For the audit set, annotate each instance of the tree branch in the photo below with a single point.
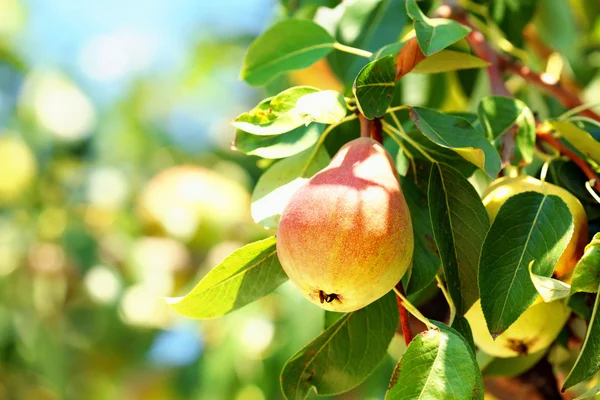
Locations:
(404, 317)
(564, 150)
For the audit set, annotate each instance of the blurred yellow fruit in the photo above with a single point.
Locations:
(318, 75)
(17, 169)
(194, 204)
(533, 331)
(501, 189)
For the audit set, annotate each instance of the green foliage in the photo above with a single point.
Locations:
(434, 34)
(248, 274)
(460, 223)
(374, 87)
(530, 227)
(438, 363)
(588, 360)
(586, 275)
(344, 354)
(287, 45)
(459, 135)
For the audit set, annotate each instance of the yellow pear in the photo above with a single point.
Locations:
(533, 331)
(345, 237)
(501, 189)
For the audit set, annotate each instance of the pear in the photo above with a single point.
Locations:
(345, 238)
(533, 331)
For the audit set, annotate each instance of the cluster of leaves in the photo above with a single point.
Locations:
(507, 264)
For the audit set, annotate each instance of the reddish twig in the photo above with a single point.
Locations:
(564, 150)
(404, 317)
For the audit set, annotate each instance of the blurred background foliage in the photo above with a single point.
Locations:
(118, 184)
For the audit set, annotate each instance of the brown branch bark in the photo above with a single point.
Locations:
(404, 316)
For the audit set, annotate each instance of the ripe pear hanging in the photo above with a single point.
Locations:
(345, 238)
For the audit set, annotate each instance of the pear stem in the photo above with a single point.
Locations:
(365, 126)
(322, 140)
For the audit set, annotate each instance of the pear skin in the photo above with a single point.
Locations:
(345, 238)
(533, 331)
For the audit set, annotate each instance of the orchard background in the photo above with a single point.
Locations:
(144, 142)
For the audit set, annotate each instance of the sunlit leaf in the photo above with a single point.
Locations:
(249, 273)
(438, 364)
(459, 135)
(275, 115)
(374, 87)
(586, 275)
(326, 107)
(582, 140)
(529, 227)
(448, 60)
(287, 45)
(278, 146)
(275, 187)
(549, 288)
(345, 354)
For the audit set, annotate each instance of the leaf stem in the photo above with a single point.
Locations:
(322, 140)
(409, 155)
(412, 309)
(403, 135)
(404, 319)
(442, 287)
(352, 50)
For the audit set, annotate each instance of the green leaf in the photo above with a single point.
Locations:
(249, 273)
(275, 115)
(586, 275)
(459, 135)
(438, 153)
(588, 360)
(275, 187)
(286, 46)
(345, 354)
(434, 34)
(462, 326)
(500, 116)
(579, 138)
(374, 87)
(278, 146)
(438, 364)
(326, 107)
(426, 260)
(460, 223)
(549, 288)
(331, 317)
(448, 60)
(529, 227)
